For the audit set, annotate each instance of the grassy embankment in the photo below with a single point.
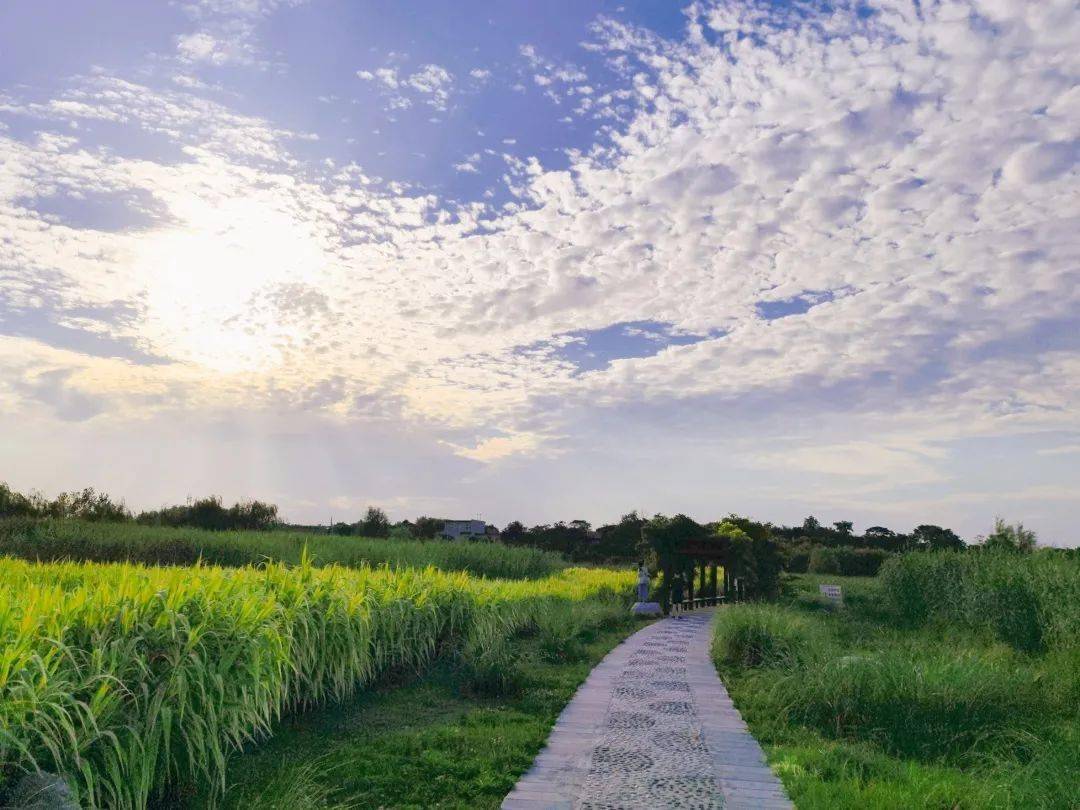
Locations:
(134, 683)
(949, 681)
(55, 540)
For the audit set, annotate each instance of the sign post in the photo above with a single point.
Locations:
(833, 594)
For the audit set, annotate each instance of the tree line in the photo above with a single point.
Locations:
(98, 507)
(809, 546)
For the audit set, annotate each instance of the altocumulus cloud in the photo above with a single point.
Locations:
(910, 172)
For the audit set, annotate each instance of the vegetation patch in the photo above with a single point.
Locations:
(128, 681)
(882, 703)
(52, 540)
(422, 742)
(850, 562)
(1028, 601)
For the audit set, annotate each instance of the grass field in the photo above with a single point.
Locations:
(72, 540)
(431, 741)
(925, 690)
(134, 682)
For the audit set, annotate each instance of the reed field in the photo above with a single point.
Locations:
(129, 680)
(56, 540)
(950, 680)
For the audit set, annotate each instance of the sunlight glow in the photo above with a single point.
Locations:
(208, 277)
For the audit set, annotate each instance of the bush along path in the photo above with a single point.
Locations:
(652, 727)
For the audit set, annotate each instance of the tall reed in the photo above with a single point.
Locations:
(1028, 601)
(124, 678)
(59, 540)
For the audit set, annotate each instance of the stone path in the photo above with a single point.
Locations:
(652, 727)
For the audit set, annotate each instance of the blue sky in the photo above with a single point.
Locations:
(546, 261)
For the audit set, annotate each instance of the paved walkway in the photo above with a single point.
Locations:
(652, 727)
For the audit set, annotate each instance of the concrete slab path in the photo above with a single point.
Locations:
(652, 727)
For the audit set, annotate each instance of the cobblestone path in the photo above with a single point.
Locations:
(652, 727)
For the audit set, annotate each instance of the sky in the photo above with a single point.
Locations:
(544, 261)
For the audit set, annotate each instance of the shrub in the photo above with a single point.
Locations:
(849, 562)
(798, 561)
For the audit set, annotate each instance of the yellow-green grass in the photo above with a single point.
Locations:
(56, 540)
(127, 679)
(857, 707)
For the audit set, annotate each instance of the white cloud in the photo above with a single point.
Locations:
(881, 463)
(500, 447)
(919, 167)
(227, 32)
(432, 83)
(201, 47)
(558, 79)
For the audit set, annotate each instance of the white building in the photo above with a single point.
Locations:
(464, 529)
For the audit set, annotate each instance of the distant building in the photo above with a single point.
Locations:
(464, 529)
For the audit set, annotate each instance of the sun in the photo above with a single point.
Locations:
(206, 277)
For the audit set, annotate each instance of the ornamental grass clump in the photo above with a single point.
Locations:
(750, 636)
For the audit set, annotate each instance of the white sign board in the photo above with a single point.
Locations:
(832, 592)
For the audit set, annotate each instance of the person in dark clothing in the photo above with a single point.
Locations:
(677, 594)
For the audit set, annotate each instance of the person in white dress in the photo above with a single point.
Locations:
(642, 583)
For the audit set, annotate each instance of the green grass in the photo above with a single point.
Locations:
(55, 540)
(128, 681)
(1028, 601)
(430, 742)
(857, 707)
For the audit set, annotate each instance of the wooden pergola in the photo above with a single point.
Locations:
(701, 560)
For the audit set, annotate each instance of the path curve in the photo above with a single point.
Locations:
(652, 727)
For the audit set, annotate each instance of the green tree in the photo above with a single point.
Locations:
(622, 540)
(751, 528)
(751, 556)
(1010, 538)
(427, 528)
(885, 539)
(667, 537)
(515, 533)
(935, 538)
(15, 504)
(374, 524)
(253, 515)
